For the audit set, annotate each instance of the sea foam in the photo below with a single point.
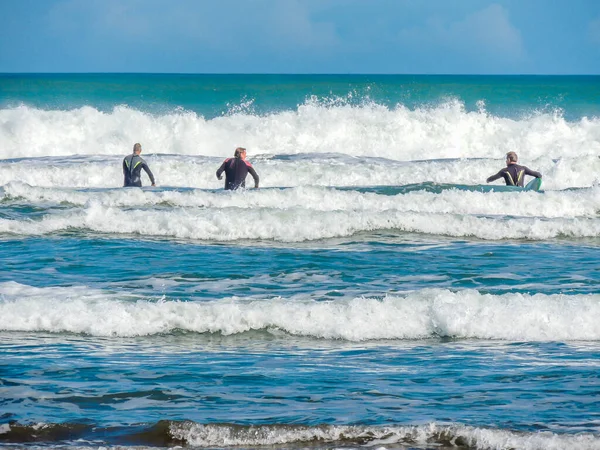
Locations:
(447, 130)
(583, 203)
(418, 436)
(422, 314)
(293, 170)
(301, 223)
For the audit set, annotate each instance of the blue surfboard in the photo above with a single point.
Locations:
(534, 185)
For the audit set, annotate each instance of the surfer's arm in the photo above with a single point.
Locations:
(221, 169)
(532, 173)
(149, 172)
(496, 177)
(125, 172)
(254, 175)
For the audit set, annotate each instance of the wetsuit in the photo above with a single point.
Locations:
(514, 175)
(236, 170)
(132, 169)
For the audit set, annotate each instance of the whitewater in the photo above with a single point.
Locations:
(446, 130)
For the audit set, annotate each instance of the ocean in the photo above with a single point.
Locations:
(374, 292)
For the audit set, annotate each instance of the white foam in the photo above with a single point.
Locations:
(421, 436)
(309, 170)
(583, 203)
(422, 314)
(297, 224)
(444, 131)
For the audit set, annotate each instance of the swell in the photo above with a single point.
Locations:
(293, 225)
(223, 435)
(419, 198)
(466, 314)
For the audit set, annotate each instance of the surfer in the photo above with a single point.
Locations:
(513, 173)
(132, 168)
(236, 169)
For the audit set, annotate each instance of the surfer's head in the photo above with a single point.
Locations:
(511, 157)
(137, 149)
(240, 152)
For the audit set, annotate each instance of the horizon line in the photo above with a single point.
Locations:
(312, 74)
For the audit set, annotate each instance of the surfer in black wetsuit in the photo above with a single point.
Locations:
(132, 168)
(236, 169)
(514, 174)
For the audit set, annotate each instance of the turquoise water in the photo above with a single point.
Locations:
(215, 95)
(373, 292)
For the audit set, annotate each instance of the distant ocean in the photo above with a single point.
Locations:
(374, 292)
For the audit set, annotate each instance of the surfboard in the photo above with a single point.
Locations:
(534, 185)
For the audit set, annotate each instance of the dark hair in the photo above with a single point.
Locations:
(137, 147)
(512, 156)
(238, 152)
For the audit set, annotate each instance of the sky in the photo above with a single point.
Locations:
(301, 36)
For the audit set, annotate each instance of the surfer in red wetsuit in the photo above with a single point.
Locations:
(236, 169)
(514, 174)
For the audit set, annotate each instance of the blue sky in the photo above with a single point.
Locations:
(301, 36)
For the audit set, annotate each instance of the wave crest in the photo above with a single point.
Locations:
(168, 433)
(447, 130)
(422, 314)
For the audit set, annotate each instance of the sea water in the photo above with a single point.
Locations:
(373, 292)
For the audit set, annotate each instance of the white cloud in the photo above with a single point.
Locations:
(96, 18)
(490, 30)
(225, 25)
(594, 31)
(290, 21)
(485, 37)
(289, 35)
